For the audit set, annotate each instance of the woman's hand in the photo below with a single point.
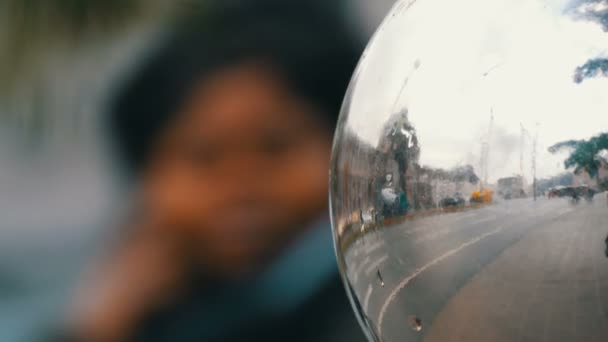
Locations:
(145, 273)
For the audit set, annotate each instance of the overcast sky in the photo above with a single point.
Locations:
(515, 58)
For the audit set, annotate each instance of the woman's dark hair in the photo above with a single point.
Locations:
(310, 46)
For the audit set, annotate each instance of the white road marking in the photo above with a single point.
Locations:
(372, 247)
(418, 271)
(433, 235)
(357, 269)
(483, 220)
(437, 221)
(374, 266)
(367, 296)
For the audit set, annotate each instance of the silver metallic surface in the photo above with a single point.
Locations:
(469, 173)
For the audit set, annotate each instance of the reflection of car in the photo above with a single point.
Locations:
(574, 192)
(457, 200)
(483, 196)
(556, 192)
(586, 192)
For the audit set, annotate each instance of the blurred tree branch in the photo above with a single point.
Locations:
(30, 29)
(584, 154)
(592, 68)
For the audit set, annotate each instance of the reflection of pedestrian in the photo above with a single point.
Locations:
(389, 180)
(575, 196)
(228, 132)
(403, 205)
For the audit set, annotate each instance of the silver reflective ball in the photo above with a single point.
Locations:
(469, 173)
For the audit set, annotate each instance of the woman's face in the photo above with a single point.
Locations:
(241, 170)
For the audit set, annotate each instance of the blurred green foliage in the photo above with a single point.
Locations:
(592, 68)
(31, 29)
(585, 154)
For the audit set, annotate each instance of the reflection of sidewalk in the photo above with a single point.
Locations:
(550, 286)
(354, 231)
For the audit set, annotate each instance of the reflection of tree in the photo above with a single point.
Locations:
(563, 145)
(585, 155)
(595, 11)
(593, 67)
(464, 174)
(459, 174)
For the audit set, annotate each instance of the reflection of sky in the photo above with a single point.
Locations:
(514, 57)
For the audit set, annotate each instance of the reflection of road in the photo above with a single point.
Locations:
(519, 270)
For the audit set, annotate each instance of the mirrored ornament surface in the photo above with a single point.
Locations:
(469, 173)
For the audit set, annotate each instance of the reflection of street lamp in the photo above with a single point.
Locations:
(524, 134)
(485, 154)
(405, 82)
(534, 160)
(521, 151)
(481, 165)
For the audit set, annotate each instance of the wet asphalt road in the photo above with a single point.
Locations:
(516, 270)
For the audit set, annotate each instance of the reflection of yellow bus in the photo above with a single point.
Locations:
(484, 196)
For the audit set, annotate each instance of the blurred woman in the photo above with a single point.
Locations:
(227, 133)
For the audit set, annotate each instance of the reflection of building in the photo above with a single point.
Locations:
(422, 194)
(387, 180)
(424, 186)
(511, 187)
(358, 176)
(382, 179)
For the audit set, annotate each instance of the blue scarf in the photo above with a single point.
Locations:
(293, 278)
